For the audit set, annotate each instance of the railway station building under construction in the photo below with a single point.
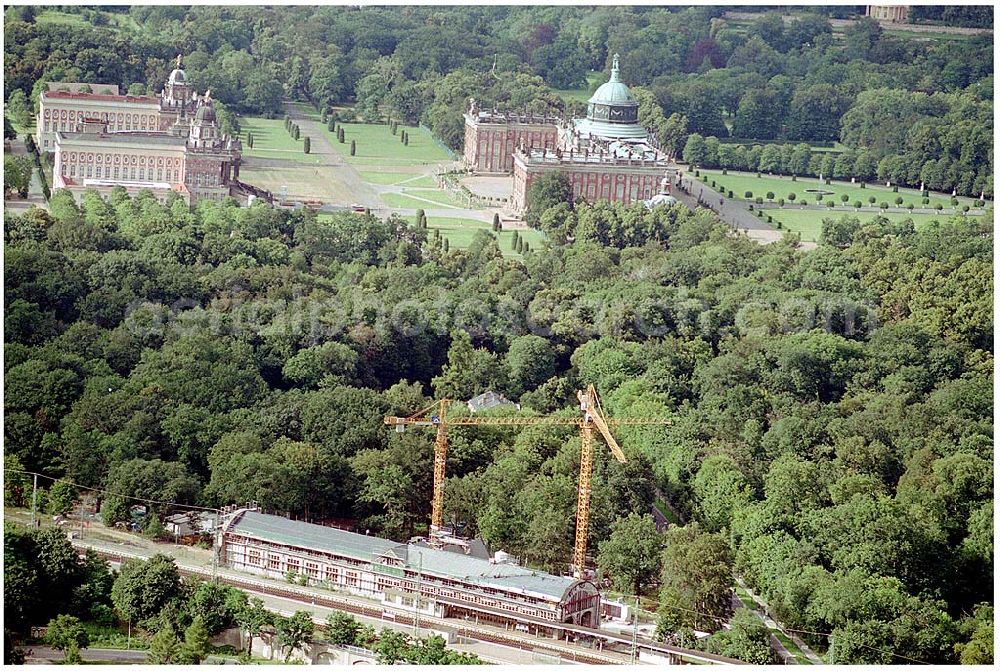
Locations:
(450, 582)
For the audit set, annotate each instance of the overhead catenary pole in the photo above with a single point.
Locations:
(416, 611)
(34, 498)
(635, 632)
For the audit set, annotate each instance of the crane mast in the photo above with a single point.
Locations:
(591, 418)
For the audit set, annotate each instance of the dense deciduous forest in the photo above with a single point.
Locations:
(914, 109)
(832, 410)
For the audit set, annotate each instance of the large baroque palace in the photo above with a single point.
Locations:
(168, 144)
(606, 156)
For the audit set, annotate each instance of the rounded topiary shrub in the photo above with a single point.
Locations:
(857, 204)
(778, 226)
(748, 194)
(697, 173)
(939, 206)
(895, 189)
(884, 205)
(925, 201)
(862, 185)
(794, 178)
(730, 192)
(725, 172)
(770, 195)
(954, 201)
(759, 200)
(829, 203)
(909, 206)
(770, 220)
(965, 208)
(781, 202)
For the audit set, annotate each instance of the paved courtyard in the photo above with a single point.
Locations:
(489, 186)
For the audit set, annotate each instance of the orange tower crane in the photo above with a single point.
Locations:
(592, 417)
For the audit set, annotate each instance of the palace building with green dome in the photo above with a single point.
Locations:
(607, 156)
(168, 145)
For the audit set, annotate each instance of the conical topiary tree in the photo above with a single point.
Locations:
(406, 139)
(306, 145)
(331, 126)
(496, 222)
(520, 246)
(353, 147)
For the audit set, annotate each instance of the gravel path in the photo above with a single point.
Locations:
(360, 191)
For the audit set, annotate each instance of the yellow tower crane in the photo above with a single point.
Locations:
(591, 417)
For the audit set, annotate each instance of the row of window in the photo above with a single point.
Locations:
(103, 116)
(107, 172)
(620, 192)
(76, 126)
(430, 586)
(90, 157)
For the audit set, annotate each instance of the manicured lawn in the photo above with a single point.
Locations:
(308, 111)
(407, 179)
(461, 231)
(583, 94)
(375, 145)
(64, 18)
(116, 21)
(271, 140)
(666, 512)
(741, 182)
(809, 223)
(435, 195)
(302, 181)
(424, 198)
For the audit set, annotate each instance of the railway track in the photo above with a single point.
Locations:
(567, 652)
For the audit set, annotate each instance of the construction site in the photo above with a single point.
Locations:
(443, 575)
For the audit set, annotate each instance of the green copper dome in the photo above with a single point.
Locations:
(612, 112)
(612, 91)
